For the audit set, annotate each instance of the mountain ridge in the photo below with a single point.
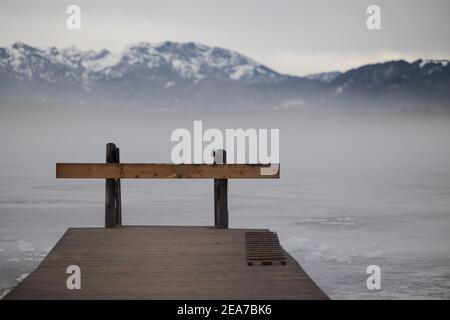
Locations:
(170, 74)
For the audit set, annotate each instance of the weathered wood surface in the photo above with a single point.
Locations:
(111, 209)
(166, 171)
(118, 193)
(220, 194)
(162, 263)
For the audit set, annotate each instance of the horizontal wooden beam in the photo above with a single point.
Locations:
(166, 171)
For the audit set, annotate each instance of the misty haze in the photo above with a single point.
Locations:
(356, 189)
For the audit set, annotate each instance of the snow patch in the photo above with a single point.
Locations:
(107, 61)
(443, 63)
(4, 293)
(169, 84)
(22, 277)
(241, 71)
(14, 259)
(25, 246)
(314, 250)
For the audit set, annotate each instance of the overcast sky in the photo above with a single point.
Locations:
(290, 36)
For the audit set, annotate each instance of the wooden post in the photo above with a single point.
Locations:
(220, 194)
(118, 197)
(110, 190)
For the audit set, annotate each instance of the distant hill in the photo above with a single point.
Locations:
(190, 75)
(326, 77)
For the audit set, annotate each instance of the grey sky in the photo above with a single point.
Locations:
(290, 36)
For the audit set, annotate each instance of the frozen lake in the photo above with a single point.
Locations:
(355, 190)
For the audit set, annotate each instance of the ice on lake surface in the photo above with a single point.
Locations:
(354, 191)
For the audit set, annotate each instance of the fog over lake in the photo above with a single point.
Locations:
(356, 189)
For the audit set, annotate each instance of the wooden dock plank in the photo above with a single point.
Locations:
(166, 171)
(163, 263)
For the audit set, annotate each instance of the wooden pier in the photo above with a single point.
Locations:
(168, 262)
(163, 263)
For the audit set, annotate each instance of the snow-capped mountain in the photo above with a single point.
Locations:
(166, 60)
(421, 83)
(192, 75)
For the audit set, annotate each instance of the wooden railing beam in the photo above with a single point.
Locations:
(166, 171)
